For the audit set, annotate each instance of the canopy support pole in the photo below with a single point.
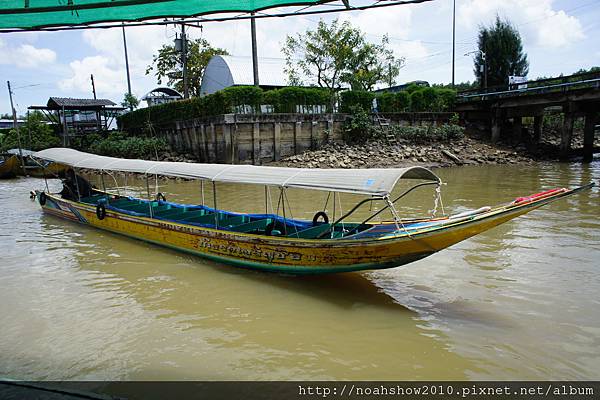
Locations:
(103, 184)
(77, 185)
(266, 200)
(283, 208)
(149, 198)
(214, 185)
(202, 191)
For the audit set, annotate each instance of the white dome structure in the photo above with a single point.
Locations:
(225, 71)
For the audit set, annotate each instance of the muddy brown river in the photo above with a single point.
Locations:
(520, 301)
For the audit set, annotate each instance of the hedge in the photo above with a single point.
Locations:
(351, 99)
(414, 98)
(232, 99)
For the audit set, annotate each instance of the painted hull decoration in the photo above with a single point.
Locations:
(271, 242)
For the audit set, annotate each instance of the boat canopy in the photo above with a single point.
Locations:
(17, 152)
(36, 14)
(377, 182)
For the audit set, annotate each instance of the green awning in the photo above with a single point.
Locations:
(35, 14)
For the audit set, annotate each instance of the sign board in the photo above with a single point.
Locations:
(517, 82)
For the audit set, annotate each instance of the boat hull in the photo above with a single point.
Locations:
(8, 167)
(291, 255)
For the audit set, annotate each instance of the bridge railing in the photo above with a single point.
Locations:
(539, 86)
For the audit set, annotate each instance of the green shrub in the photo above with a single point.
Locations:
(292, 97)
(386, 102)
(402, 101)
(417, 101)
(446, 99)
(241, 96)
(359, 127)
(353, 98)
(118, 144)
(35, 134)
(430, 99)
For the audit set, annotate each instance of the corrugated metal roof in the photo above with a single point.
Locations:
(225, 71)
(69, 102)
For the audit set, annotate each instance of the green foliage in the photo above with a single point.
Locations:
(130, 101)
(118, 144)
(35, 134)
(501, 43)
(339, 53)
(223, 102)
(428, 133)
(350, 99)
(238, 96)
(359, 127)
(417, 101)
(167, 65)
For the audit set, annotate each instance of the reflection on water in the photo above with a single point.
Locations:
(519, 301)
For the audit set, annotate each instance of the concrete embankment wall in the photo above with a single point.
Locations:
(260, 138)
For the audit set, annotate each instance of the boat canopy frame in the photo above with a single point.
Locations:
(378, 182)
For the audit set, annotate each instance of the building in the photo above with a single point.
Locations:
(79, 116)
(161, 95)
(399, 88)
(8, 123)
(225, 71)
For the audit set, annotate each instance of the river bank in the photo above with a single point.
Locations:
(380, 154)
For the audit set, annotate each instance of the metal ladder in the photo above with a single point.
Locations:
(384, 124)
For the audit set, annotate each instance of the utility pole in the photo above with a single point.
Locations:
(453, 39)
(93, 86)
(94, 92)
(186, 90)
(126, 66)
(16, 126)
(254, 50)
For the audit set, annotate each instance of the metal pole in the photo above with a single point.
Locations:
(16, 126)
(149, 198)
(77, 185)
(214, 185)
(186, 90)
(254, 50)
(202, 191)
(126, 66)
(453, 39)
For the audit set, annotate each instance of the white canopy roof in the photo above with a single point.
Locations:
(379, 182)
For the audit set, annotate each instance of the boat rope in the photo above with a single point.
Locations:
(437, 200)
(395, 214)
(291, 215)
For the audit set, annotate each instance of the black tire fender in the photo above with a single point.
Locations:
(42, 198)
(269, 228)
(319, 215)
(100, 211)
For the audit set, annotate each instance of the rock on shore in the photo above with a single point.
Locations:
(464, 151)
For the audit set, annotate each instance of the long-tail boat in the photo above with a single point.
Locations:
(274, 242)
(8, 165)
(34, 168)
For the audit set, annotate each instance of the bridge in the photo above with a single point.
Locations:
(576, 96)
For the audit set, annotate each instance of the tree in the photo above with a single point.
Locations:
(36, 134)
(500, 53)
(130, 101)
(167, 64)
(338, 54)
